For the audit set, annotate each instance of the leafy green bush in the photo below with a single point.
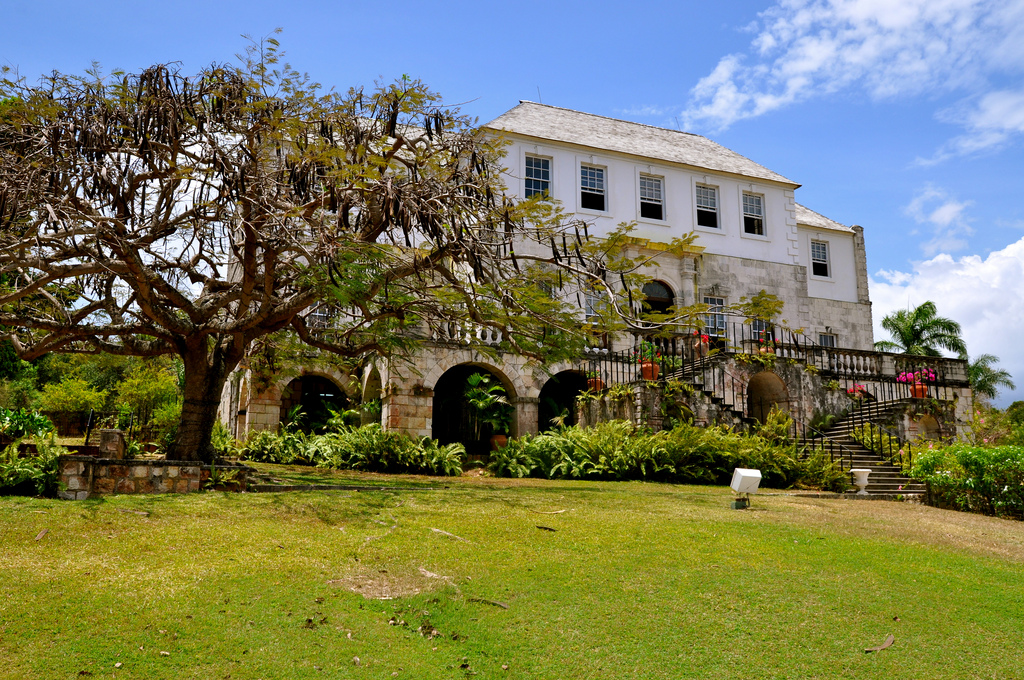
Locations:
(72, 395)
(164, 423)
(22, 423)
(36, 473)
(987, 480)
(619, 450)
(819, 471)
(147, 387)
(369, 448)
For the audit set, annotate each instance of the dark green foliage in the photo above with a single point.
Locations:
(10, 364)
(369, 448)
(1015, 413)
(683, 455)
(988, 480)
(22, 423)
(31, 473)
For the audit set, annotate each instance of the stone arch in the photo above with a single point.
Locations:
(452, 420)
(659, 296)
(766, 391)
(927, 427)
(317, 395)
(558, 397)
(371, 396)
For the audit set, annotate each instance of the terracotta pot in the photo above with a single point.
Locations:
(595, 384)
(498, 441)
(649, 370)
(919, 390)
(701, 349)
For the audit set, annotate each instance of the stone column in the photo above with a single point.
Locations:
(860, 260)
(527, 415)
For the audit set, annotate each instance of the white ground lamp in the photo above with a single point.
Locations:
(744, 482)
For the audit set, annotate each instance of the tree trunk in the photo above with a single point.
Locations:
(206, 371)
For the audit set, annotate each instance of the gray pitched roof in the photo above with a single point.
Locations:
(810, 218)
(585, 129)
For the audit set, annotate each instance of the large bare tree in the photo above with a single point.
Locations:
(154, 213)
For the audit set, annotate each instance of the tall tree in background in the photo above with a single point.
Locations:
(921, 331)
(985, 378)
(156, 214)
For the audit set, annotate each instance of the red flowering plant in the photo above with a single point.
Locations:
(857, 391)
(648, 352)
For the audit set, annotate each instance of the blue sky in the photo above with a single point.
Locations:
(904, 116)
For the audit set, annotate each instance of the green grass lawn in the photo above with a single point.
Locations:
(637, 581)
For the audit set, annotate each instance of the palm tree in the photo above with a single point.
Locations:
(985, 377)
(921, 331)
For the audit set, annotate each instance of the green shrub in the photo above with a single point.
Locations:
(369, 448)
(147, 387)
(22, 423)
(164, 423)
(36, 473)
(819, 471)
(71, 395)
(618, 450)
(987, 480)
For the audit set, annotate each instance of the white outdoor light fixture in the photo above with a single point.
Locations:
(744, 482)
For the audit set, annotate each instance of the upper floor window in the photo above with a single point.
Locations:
(819, 258)
(652, 203)
(538, 176)
(826, 340)
(707, 206)
(753, 214)
(592, 188)
(714, 320)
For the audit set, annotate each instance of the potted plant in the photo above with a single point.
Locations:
(490, 404)
(594, 381)
(647, 355)
(700, 344)
(765, 347)
(916, 381)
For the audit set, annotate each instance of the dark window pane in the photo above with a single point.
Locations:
(753, 225)
(707, 218)
(819, 268)
(591, 201)
(651, 211)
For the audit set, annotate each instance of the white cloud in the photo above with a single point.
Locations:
(889, 48)
(945, 216)
(985, 295)
(991, 121)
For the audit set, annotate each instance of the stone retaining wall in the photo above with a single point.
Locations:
(85, 476)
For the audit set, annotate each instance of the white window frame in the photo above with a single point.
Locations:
(831, 341)
(715, 324)
(580, 167)
(717, 194)
(826, 261)
(744, 195)
(527, 178)
(659, 201)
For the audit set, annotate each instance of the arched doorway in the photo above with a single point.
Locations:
(765, 392)
(461, 412)
(659, 297)
(558, 399)
(310, 399)
(371, 406)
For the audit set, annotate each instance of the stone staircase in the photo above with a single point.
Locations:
(885, 478)
(703, 375)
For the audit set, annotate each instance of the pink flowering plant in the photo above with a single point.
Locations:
(919, 376)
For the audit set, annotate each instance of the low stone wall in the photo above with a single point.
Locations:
(85, 476)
